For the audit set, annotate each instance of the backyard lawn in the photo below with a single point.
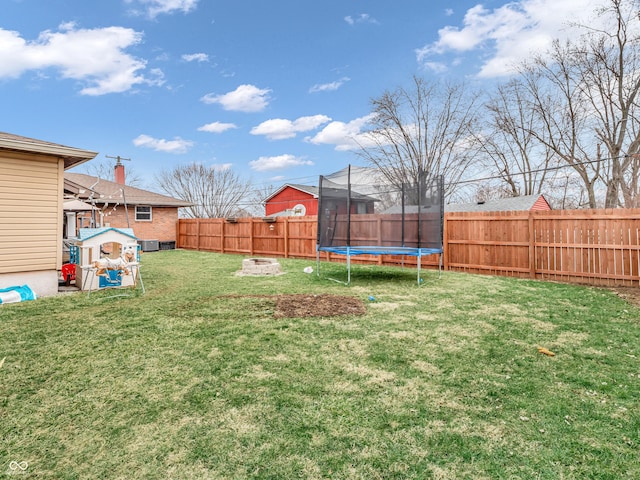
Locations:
(211, 375)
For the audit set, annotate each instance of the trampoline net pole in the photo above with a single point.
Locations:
(349, 206)
(320, 213)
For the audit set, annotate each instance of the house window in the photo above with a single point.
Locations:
(361, 208)
(143, 214)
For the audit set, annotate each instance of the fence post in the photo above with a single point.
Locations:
(198, 234)
(222, 235)
(286, 237)
(445, 242)
(532, 246)
(251, 227)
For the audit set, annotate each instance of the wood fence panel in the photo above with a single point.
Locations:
(495, 243)
(268, 238)
(302, 237)
(598, 247)
(187, 233)
(211, 234)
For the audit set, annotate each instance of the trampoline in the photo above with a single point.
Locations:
(365, 214)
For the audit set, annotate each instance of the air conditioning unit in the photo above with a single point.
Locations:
(149, 245)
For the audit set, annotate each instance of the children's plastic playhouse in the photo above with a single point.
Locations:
(105, 258)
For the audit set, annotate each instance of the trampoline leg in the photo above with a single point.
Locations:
(348, 269)
(317, 262)
(419, 264)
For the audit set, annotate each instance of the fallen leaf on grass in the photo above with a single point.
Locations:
(546, 352)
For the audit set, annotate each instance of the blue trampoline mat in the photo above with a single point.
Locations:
(376, 250)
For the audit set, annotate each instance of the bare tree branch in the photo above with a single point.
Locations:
(423, 132)
(214, 192)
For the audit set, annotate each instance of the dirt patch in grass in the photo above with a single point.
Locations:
(305, 305)
(295, 306)
(630, 294)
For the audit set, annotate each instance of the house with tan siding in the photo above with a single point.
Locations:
(31, 210)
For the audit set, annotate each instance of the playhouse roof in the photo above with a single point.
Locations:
(87, 233)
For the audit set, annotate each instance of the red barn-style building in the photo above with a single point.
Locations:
(292, 200)
(299, 200)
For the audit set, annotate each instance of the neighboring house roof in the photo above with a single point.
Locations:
(313, 191)
(358, 176)
(105, 191)
(72, 156)
(511, 204)
(329, 192)
(521, 203)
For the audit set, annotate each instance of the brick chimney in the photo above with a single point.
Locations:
(118, 172)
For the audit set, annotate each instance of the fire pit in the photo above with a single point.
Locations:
(260, 266)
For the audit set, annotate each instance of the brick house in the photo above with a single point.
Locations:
(152, 216)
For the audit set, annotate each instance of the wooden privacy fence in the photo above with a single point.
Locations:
(597, 247)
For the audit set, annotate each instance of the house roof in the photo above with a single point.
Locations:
(71, 156)
(328, 192)
(521, 203)
(511, 204)
(313, 191)
(105, 191)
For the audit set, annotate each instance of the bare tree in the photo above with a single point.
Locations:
(422, 132)
(509, 147)
(556, 97)
(214, 192)
(609, 61)
(586, 95)
(254, 205)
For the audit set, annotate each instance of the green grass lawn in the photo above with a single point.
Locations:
(196, 378)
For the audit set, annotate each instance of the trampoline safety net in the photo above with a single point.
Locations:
(358, 207)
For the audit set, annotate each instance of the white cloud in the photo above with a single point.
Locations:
(216, 127)
(177, 145)
(510, 33)
(95, 57)
(195, 57)
(345, 136)
(280, 128)
(245, 98)
(278, 162)
(222, 167)
(362, 18)
(436, 67)
(153, 8)
(328, 87)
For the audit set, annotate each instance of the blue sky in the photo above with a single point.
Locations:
(276, 90)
